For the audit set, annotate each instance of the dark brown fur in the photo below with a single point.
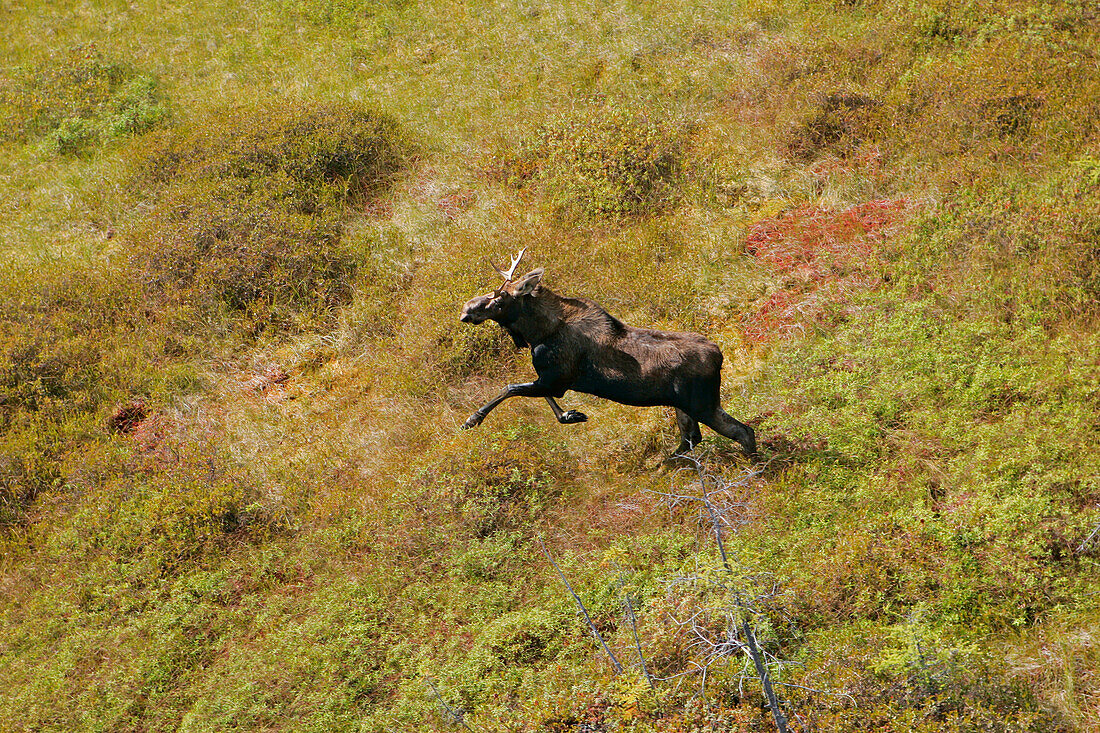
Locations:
(575, 344)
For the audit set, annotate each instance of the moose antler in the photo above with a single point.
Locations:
(512, 270)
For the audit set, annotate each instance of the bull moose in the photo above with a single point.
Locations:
(575, 344)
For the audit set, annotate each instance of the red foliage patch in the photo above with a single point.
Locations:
(456, 203)
(823, 256)
(150, 434)
(378, 208)
(809, 241)
(126, 418)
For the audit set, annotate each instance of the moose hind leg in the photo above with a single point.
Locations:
(690, 435)
(724, 424)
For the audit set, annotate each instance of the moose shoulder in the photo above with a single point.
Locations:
(575, 344)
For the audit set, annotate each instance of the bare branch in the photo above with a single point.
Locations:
(453, 713)
(765, 679)
(634, 629)
(722, 508)
(580, 604)
(1088, 540)
(815, 690)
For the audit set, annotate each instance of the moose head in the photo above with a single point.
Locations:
(501, 302)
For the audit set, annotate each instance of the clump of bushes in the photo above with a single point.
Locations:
(78, 101)
(608, 165)
(244, 229)
(55, 330)
(500, 485)
(248, 211)
(839, 126)
(920, 683)
(178, 509)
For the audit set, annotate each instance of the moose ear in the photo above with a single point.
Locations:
(527, 284)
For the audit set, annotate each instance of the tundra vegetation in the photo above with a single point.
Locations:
(233, 488)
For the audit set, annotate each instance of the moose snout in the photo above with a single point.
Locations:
(474, 311)
(467, 316)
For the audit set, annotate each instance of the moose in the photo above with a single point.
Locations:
(575, 344)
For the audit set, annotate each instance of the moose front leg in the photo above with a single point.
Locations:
(566, 417)
(527, 389)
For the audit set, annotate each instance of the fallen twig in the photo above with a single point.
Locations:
(1088, 540)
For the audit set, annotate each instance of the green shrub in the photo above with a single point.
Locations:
(500, 480)
(917, 680)
(959, 439)
(249, 211)
(607, 165)
(520, 638)
(57, 324)
(73, 136)
(28, 467)
(77, 101)
(323, 655)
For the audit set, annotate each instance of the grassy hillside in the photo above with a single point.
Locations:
(233, 491)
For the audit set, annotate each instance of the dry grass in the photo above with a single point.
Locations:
(884, 213)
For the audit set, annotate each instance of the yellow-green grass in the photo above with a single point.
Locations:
(299, 537)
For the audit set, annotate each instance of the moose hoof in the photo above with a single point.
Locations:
(749, 444)
(572, 416)
(473, 421)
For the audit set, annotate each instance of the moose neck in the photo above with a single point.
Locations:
(537, 316)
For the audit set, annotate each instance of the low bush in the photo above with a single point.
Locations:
(917, 682)
(941, 434)
(329, 648)
(839, 126)
(610, 164)
(249, 211)
(245, 228)
(501, 483)
(77, 100)
(57, 326)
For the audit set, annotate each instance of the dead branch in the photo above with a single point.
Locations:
(765, 679)
(580, 604)
(634, 629)
(457, 716)
(1084, 546)
(712, 649)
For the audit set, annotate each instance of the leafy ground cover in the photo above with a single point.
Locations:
(233, 492)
